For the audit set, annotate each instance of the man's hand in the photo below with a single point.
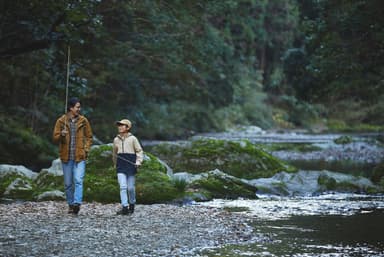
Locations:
(63, 133)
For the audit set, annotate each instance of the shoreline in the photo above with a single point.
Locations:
(46, 229)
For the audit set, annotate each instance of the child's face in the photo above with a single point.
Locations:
(122, 128)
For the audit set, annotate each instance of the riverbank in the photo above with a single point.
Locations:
(45, 229)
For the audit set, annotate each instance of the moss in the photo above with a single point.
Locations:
(240, 159)
(155, 187)
(222, 187)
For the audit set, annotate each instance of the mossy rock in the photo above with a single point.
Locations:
(216, 184)
(343, 140)
(101, 185)
(20, 188)
(240, 159)
(7, 179)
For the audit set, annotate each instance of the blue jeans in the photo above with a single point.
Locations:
(127, 183)
(73, 181)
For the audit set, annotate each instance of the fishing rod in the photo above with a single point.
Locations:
(67, 84)
(122, 158)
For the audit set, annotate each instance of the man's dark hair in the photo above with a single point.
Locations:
(72, 102)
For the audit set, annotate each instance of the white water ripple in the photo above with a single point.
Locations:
(274, 207)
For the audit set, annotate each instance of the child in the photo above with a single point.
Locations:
(127, 157)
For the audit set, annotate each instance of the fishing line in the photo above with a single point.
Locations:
(122, 158)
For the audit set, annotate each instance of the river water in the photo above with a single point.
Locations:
(327, 225)
(333, 224)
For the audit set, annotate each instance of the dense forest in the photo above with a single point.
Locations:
(178, 67)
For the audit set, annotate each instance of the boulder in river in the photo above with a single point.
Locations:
(240, 159)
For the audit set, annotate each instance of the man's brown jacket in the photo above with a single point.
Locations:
(83, 138)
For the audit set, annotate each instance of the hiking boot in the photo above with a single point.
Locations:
(70, 209)
(131, 208)
(76, 208)
(123, 211)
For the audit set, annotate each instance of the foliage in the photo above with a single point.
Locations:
(21, 145)
(176, 68)
(340, 58)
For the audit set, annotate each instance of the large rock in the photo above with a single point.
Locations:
(240, 159)
(20, 188)
(51, 178)
(217, 184)
(56, 168)
(307, 183)
(6, 170)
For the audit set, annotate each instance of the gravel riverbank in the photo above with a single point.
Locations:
(45, 229)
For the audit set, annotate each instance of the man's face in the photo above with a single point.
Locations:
(75, 110)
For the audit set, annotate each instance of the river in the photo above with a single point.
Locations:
(327, 225)
(333, 224)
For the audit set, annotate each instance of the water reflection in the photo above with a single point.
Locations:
(327, 225)
(356, 235)
(335, 235)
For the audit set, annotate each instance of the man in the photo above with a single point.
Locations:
(73, 133)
